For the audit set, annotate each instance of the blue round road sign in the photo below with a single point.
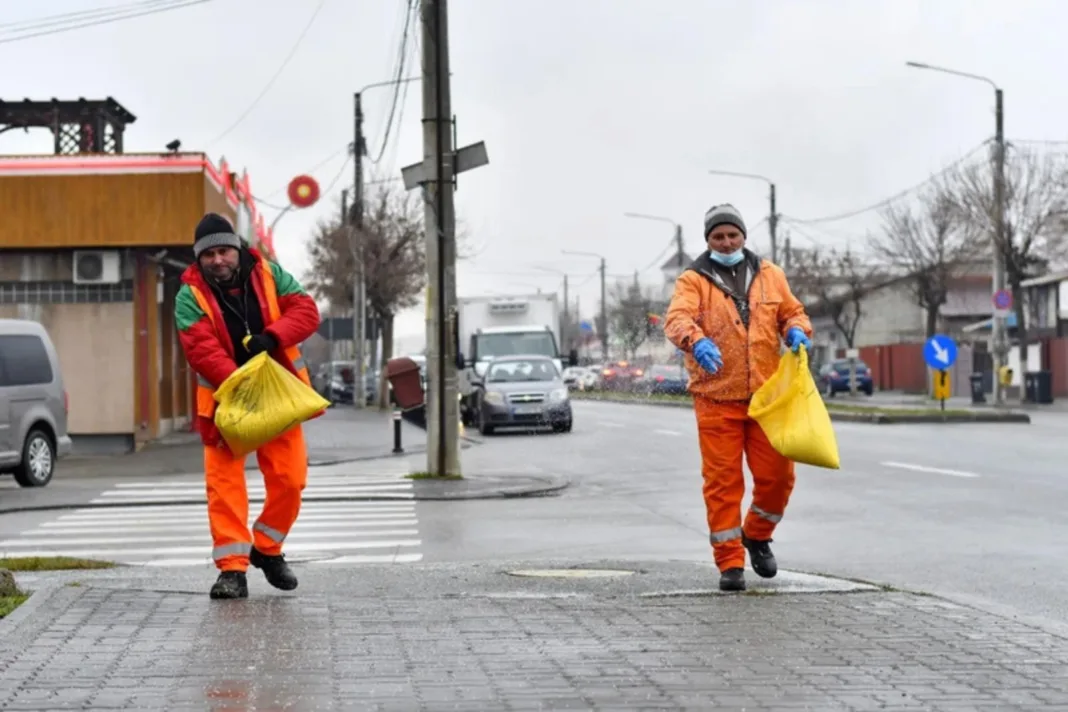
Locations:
(1003, 299)
(940, 352)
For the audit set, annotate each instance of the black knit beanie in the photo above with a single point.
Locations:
(214, 230)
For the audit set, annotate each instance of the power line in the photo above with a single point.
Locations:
(402, 61)
(273, 79)
(887, 201)
(66, 22)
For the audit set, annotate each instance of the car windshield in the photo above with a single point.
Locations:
(346, 371)
(843, 366)
(535, 343)
(521, 370)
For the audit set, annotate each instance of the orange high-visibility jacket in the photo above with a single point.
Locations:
(289, 314)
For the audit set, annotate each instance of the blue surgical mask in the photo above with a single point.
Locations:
(727, 260)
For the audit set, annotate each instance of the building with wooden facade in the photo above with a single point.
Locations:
(92, 246)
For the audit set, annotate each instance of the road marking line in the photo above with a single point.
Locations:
(612, 425)
(932, 470)
(674, 433)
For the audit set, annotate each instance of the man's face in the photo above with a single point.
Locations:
(220, 263)
(725, 239)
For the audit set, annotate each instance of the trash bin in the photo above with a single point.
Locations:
(403, 375)
(1039, 386)
(978, 387)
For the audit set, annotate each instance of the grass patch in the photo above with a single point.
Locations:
(10, 603)
(432, 476)
(832, 407)
(53, 563)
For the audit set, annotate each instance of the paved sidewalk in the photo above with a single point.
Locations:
(476, 638)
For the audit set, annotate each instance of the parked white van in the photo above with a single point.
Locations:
(33, 404)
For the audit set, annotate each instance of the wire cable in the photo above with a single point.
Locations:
(277, 74)
(67, 22)
(402, 61)
(897, 196)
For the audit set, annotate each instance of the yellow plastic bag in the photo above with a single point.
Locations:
(792, 414)
(260, 401)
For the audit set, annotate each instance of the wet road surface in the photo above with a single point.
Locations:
(973, 511)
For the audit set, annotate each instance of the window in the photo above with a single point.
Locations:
(534, 343)
(24, 360)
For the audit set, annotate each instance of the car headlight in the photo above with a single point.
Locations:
(493, 398)
(557, 396)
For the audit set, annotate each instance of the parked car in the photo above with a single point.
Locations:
(833, 377)
(33, 404)
(620, 376)
(522, 391)
(336, 381)
(574, 377)
(669, 379)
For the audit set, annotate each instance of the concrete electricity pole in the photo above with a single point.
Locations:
(436, 173)
(773, 215)
(997, 323)
(359, 288)
(603, 330)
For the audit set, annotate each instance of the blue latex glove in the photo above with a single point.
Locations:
(707, 355)
(795, 336)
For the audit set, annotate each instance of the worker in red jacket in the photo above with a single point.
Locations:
(234, 304)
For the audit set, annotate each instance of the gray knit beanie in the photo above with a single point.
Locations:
(214, 231)
(725, 214)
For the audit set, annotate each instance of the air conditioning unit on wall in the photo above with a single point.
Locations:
(97, 267)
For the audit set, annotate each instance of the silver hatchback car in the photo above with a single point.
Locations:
(33, 404)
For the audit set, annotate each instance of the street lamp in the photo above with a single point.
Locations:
(678, 231)
(603, 331)
(773, 216)
(997, 325)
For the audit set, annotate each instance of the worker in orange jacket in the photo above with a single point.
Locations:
(728, 312)
(234, 304)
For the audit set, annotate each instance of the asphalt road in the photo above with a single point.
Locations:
(972, 511)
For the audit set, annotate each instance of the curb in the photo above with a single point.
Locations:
(882, 417)
(535, 487)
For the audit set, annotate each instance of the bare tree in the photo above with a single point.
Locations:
(929, 243)
(1036, 213)
(392, 245)
(628, 316)
(836, 283)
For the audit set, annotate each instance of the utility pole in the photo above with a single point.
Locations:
(997, 324)
(359, 290)
(436, 174)
(678, 247)
(604, 312)
(568, 335)
(443, 431)
(773, 224)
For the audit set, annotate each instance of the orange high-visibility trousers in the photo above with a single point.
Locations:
(726, 432)
(284, 464)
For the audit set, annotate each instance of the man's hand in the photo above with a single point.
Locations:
(707, 355)
(795, 336)
(260, 343)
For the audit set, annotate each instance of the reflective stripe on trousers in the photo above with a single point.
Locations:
(273, 534)
(725, 535)
(238, 549)
(773, 518)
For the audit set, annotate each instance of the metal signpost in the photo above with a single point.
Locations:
(940, 353)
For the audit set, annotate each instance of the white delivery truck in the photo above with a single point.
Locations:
(493, 326)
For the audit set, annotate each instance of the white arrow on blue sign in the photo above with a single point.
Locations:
(940, 352)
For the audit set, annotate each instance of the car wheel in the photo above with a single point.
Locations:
(484, 428)
(38, 462)
(564, 427)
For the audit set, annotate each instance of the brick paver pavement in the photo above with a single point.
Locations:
(470, 638)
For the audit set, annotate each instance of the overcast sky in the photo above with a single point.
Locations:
(589, 108)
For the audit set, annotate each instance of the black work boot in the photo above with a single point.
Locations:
(732, 580)
(230, 584)
(760, 556)
(275, 569)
